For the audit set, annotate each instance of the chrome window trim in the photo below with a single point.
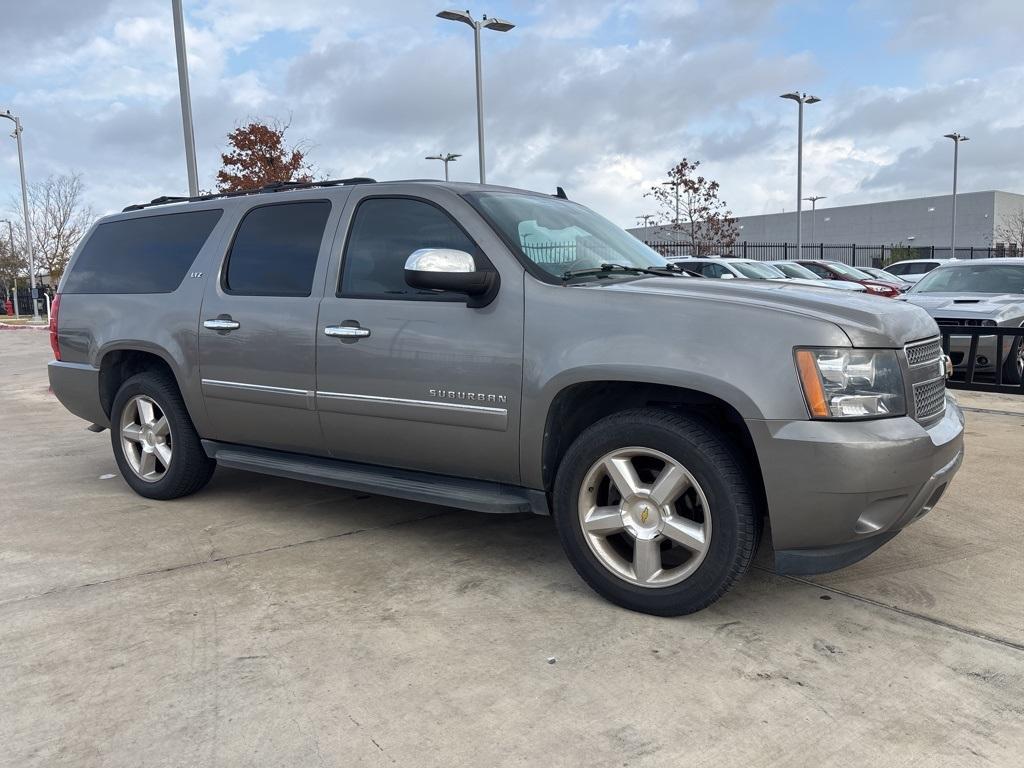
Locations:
(256, 387)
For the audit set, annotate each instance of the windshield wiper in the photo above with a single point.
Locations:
(622, 269)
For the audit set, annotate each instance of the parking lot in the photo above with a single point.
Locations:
(270, 622)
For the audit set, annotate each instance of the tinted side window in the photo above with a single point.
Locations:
(385, 231)
(150, 254)
(276, 248)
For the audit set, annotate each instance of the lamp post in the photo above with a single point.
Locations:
(10, 234)
(644, 219)
(445, 158)
(186, 99)
(485, 23)
(675, 184)
(24, 208)
(957, 138)
(813, 199)
(800, 99)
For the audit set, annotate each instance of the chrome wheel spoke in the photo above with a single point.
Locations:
(161, 428)
(685, 532)
(147, 463)
(603, 521)
(623, 475)
(646, 559)
(132, 432)
(145, 410)
(163, 453)
(670, 485)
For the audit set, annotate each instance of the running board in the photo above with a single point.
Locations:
(476, 495)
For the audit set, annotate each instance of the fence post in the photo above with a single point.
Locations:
(933, 252)
(821, 251)
(744, 249)
(853, 255)
(972, 253)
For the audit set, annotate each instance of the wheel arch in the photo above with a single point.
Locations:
(117, 365)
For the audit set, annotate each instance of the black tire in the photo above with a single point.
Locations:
(712, 462)
(1011, 368)
(190, 468)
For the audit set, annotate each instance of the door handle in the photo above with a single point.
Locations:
(346, 332)
(221, 324)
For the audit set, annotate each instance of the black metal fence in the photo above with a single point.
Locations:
(852, 254)
(985, 358)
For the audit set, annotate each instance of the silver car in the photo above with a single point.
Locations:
(795, 271)
(987, 292)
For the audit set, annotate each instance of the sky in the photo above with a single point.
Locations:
(598, 97)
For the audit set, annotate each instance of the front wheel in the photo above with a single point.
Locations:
(1013, 368)
(655, 511)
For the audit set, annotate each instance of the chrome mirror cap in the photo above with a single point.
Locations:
(445, 260)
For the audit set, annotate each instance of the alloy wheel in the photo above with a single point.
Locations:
(645, 517)
(146, 438)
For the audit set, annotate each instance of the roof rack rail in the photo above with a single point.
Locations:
(277, 186)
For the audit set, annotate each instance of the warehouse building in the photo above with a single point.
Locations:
(918, 222)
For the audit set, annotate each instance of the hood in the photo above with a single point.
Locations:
(994, 306)
(868, 321)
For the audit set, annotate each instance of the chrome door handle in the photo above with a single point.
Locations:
(346, 331)
(221, 324)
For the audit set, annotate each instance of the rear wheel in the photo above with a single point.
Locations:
(655, 512)
(155, 444)
(1013, 368)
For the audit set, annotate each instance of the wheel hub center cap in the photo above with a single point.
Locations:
(149, 438)
(641, 518)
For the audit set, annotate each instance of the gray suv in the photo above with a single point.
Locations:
(507, 351)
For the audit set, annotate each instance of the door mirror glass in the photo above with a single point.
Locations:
(447, 269)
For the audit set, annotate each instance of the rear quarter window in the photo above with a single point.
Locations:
(150, 254)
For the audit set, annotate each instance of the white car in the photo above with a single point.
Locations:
(795, 271)
(913, 270)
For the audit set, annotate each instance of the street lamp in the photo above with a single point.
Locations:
(814, 204)
(957, 138)
(445, 158)
(485, 23)
(675, 184)
(644, 220)
(800, 99)
(24, 207)
(186, 99)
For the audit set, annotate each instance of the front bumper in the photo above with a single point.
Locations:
(837, 491)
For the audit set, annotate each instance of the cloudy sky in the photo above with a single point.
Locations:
(598, 97)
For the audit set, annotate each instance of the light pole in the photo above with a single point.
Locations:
(498, 26)
(24, 208)
(675, 184)
(957, 138)
(445, 158)
(800, 99)
(10, 234)
(644, 220)
(814, 205)
(186, 99)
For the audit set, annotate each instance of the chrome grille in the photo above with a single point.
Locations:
(929, 398)
(924, 352)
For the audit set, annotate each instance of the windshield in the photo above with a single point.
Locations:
(756, 271)
(856, 274)
(973, 278)
(559, 236)
(796, 270)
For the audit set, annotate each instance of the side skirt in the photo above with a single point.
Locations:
(476, 495)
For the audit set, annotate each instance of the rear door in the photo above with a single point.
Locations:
(431, 384)
(257, 329)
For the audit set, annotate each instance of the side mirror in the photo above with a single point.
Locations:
(445, 269)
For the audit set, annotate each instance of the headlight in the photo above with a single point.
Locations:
(843, 383)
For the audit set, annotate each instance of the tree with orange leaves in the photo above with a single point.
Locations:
(258, 156)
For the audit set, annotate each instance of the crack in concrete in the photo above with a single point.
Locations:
(902, 611)
(221, 559)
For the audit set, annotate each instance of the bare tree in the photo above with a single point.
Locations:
(1011, 228)
(59, 219)
(12, 265)
(258, 156)
(691, 208)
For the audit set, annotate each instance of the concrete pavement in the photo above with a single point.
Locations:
(269, 622)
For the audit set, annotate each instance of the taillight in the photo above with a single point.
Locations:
(54, 341)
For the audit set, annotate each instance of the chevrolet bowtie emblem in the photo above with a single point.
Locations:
(644, 515)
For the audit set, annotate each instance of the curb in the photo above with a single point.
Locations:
(13, 327)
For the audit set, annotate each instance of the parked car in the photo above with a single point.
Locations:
(506, 351)
(913, 270)
(796, 271)
(835, 270)
(881, 274)
(743, 269)
(985, 292)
